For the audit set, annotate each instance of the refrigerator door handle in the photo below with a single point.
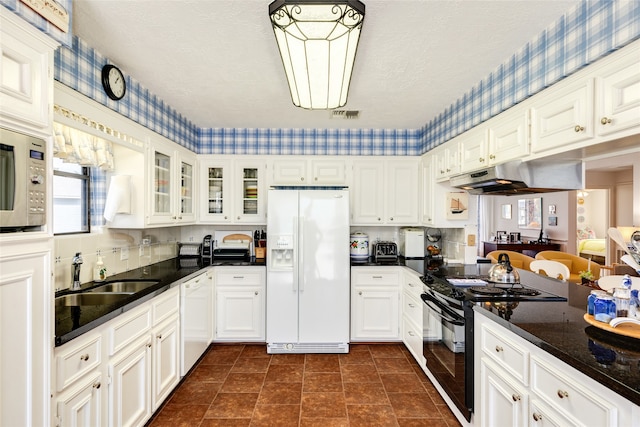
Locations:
(295, 254)
(300, 260)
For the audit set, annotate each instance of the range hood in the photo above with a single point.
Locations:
(518, 177)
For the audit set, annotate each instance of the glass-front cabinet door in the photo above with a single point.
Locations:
(249, 192)
(187, 200)
(216, 203)
(161, 184)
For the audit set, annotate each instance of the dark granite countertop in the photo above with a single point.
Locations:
(71, 322)
(560, 329)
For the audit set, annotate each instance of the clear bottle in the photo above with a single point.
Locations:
(100, 272)
(622, 299)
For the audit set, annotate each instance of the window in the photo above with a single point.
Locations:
(70, 198)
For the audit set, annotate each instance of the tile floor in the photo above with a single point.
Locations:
(242, 385)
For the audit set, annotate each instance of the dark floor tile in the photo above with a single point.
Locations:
(196, 392)
(180, 415)
(387, 365)
(323, 405)
(322, 382)
(285, 373)
(359, 373)
(356, 358)
(413, 405)
(273, 393)
(225, 422)
(232, 405)
(287, 359)
(386, 350)
(365, 394)
(322, 363)
(254, 364)
(357, 348)
(276, 416)
(371, 415)
(210, 373)
(243, 383)
(448, 416)
(324, 422)
(255, 351)
(402, 383)
(422, 422)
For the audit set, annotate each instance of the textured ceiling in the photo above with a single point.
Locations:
(216, 61)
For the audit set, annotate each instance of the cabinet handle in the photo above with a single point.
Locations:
(412, 305)
(412, 285)
(536, 416)
(84, 357)
(448, 170)
(410, 333)
(481, 159)
(499, 349)
(515, 397)
(256, 292)
(316, 178)
(605, 120)
(379, 219)
(562, 394)
(179, 217)
(159, 337)
(225, 217)
(360, 293)
(376, 277)
(149, 345)
(578, 128)
(492, 156)
(175, 217)
(391, 219)
(238, 277)
(238, 217)
(96, 385)
(302, 178)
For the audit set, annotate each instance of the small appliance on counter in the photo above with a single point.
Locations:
(412, 242)
(232, 246)
(359, 246)
(189, 254)
(385, 251)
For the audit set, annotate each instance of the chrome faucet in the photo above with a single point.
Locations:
(76, 262)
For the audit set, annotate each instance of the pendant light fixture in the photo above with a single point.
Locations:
(317, 40)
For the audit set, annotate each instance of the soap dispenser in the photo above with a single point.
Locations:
(100, 272)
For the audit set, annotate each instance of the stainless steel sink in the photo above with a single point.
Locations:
(126, 287)
(90, 298)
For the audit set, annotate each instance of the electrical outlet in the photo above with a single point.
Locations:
(124, 253)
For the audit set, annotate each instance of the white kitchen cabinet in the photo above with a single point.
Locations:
(25, 333)
(26, 67)
(240, 303)
(130, 385)
(412, 322)
(172, 176)
(515, 377)
(618, 96)
(375, 304)
(385, 191)
(501, 139)
(447, 160)
(166, 345)
(80, 405)
(563, 117)
(233, 191)
(305, 171)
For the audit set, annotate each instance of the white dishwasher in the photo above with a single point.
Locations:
(196, 312)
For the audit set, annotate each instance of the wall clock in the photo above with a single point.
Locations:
(113, 82)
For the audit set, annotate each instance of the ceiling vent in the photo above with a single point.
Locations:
(345, 114)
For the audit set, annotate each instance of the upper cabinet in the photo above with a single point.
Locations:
(447, 160)
(26, 67)
(172, 185)
(618, 96)
(385, 191)
(562, 117)
(233, 191)
(304, 171)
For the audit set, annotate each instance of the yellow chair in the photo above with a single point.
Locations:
(553, 269)
(516, 259)
(575, 263)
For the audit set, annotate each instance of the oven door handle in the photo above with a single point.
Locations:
(443, 311)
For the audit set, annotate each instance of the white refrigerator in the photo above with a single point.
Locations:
(308, 268)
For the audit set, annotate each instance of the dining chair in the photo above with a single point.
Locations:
(553, 269)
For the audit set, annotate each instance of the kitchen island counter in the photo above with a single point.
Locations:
(559, 329)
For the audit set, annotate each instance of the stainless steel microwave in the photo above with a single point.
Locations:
(23, 174)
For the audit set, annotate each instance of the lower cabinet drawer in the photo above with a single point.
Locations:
(412, 338)
(166, 305)
(127, 327)
(510, 356)
(77, 361)
(411, 308)
(571, 398)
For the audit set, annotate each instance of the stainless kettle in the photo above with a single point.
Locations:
(503, 271)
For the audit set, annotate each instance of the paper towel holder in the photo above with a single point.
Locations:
(118, 197)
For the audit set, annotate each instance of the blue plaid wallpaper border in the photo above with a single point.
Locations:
(587, 32)
(29, 15)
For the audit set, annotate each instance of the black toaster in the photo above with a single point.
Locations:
(385, 251)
